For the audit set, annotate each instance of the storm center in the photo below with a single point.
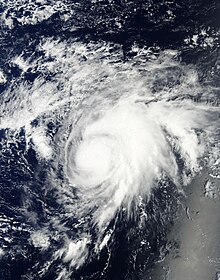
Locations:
(94, 158)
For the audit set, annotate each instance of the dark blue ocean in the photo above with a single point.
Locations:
(56, 60)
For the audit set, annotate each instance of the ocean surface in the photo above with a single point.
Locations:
(109, 140)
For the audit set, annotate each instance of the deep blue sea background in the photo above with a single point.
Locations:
(157, 24)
